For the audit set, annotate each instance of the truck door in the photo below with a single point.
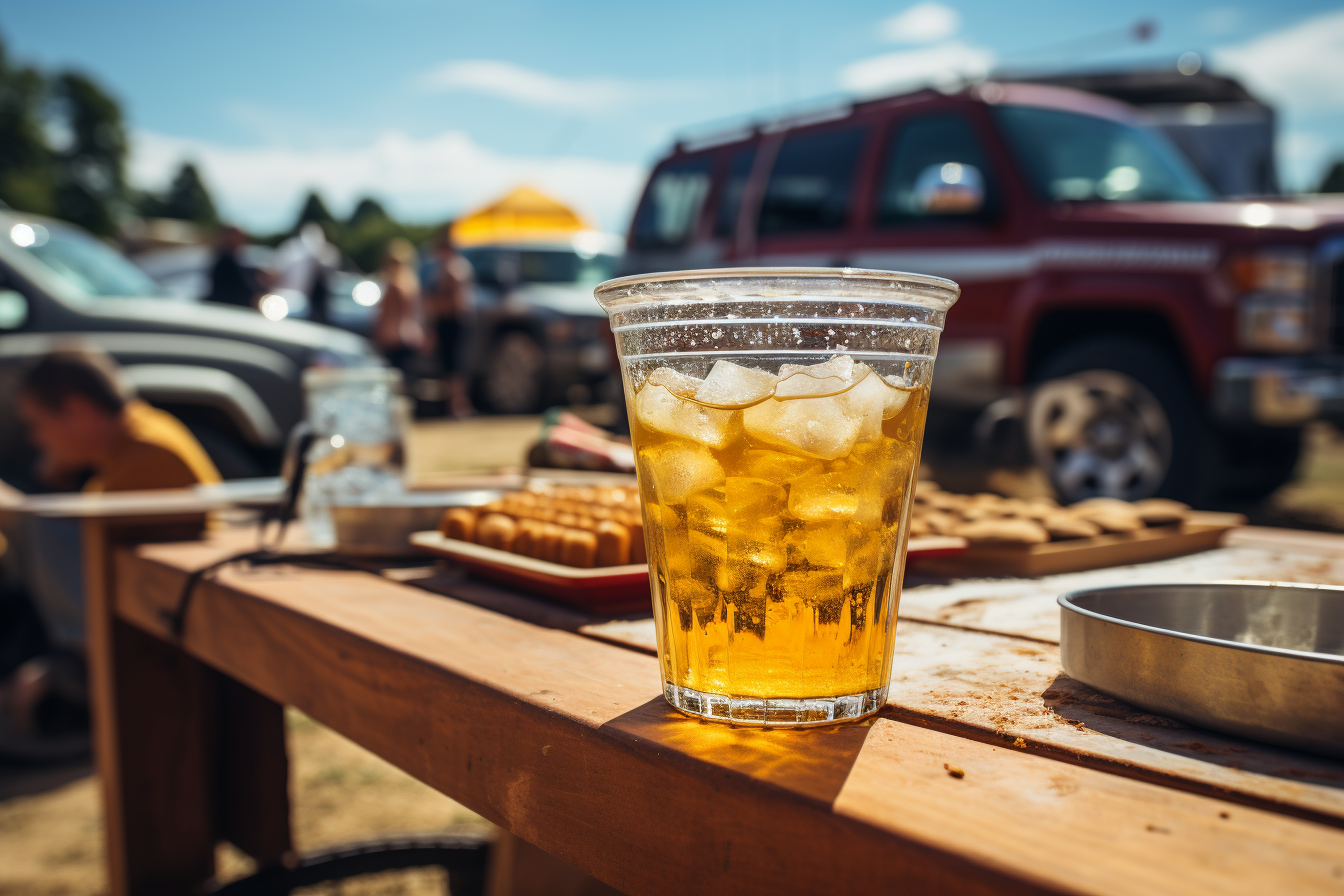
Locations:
(938, 209)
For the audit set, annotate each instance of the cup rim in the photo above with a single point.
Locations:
(605, 292)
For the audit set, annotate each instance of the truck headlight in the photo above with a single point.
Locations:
(1274, 310)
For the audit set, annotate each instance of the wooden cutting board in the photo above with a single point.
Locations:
(1200, 532)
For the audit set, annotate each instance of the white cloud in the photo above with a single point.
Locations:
(943, 64)
(1301, 66)
(922, 23)
(527, 86)
(1219, 21)
(418, 178)
(1303, 158)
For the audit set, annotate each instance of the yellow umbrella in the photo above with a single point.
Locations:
(522, 214)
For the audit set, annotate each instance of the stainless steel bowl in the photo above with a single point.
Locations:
(383, 528)
(1259, 659)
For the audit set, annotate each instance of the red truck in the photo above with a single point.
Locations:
(1149, 337)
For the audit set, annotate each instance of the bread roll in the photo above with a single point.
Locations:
(1161, 511)
(579, 548)
(459, 523)
(1065, 525)
(497, 530)
(613, 544)
(1003, 531)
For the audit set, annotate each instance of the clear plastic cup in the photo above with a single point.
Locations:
(777, 415)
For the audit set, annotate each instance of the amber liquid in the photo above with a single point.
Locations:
(774, 565)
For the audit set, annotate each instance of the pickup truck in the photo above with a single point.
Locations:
(1141, 335)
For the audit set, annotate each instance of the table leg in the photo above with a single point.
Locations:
(185, 756)
(517, 868)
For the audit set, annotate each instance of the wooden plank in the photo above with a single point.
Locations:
(1000, 689)
(1200, 532)
(568, 743)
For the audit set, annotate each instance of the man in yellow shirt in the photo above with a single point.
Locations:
(83, 419)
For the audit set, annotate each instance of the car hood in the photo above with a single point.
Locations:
(1263, 214)
(562, 298)
(292, 337)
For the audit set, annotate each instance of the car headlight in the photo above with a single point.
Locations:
(1274, 308)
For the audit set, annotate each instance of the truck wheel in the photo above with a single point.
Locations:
(512, 374)
(1116, 416)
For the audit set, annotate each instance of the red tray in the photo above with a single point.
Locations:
(609, 589)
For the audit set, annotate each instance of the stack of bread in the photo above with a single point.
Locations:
(988, 518)
(575, 526)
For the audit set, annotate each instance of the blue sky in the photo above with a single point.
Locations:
(433, 107)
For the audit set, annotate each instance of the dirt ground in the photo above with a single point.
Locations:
(50, 832)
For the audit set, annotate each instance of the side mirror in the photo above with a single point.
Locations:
(952, 188)
(13, 309)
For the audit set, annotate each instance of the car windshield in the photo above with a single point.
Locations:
(90, 267)
(1081, 157)
(498, 266)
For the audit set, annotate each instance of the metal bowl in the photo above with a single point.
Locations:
(383, 528)
(1262, 660)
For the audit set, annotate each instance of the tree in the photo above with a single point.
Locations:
(314, 209)
(1334, 179)
(187, 199)
(90, 172)
(367, 209)
(27, 164)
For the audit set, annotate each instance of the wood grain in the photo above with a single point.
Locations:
(567, 742)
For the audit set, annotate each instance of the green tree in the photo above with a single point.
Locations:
(187, 199)
(367, 209)
(1334, 179)
(27, 164)
(314, 209)
(90, 176)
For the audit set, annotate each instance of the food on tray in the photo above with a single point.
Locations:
(990, 519)
(576, 526)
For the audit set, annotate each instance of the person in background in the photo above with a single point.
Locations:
(231, 281)
(398, 329)
(449, 303)
(303, 263)
(84, 420)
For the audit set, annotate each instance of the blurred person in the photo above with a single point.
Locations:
(399, 328)
(231, 281)
(85, 420)
(449, 303)
(303, 263)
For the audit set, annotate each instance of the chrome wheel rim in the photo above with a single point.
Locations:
(1099, 433)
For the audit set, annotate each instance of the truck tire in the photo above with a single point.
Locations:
(512, 374)
(1117, 416)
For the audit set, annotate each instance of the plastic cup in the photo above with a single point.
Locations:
(777, 416)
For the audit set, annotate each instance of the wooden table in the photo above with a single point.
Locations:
(552, 725)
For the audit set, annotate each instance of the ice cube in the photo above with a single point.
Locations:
(841, 366)
(775, 466)
(822, 428)
(826, 378)
(732, 385)
(823, 545)
(659, 409)
(867, 401)
(821, 591)
(847, 495)
(748, 499)
(897, 396)
(676, 470)
(674, 381)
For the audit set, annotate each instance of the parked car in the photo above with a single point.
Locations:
(1185, 340)
(540, 338)
(229, 374)
(184, 274)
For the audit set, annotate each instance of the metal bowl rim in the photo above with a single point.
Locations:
(1065, 602)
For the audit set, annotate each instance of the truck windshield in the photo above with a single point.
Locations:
(1080, 157)
(87, 265)
(498, 266)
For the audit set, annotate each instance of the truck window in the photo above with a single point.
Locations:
(672, 204)
(935, 170)
(1072, 156)
(730, 194)
(809, 188)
